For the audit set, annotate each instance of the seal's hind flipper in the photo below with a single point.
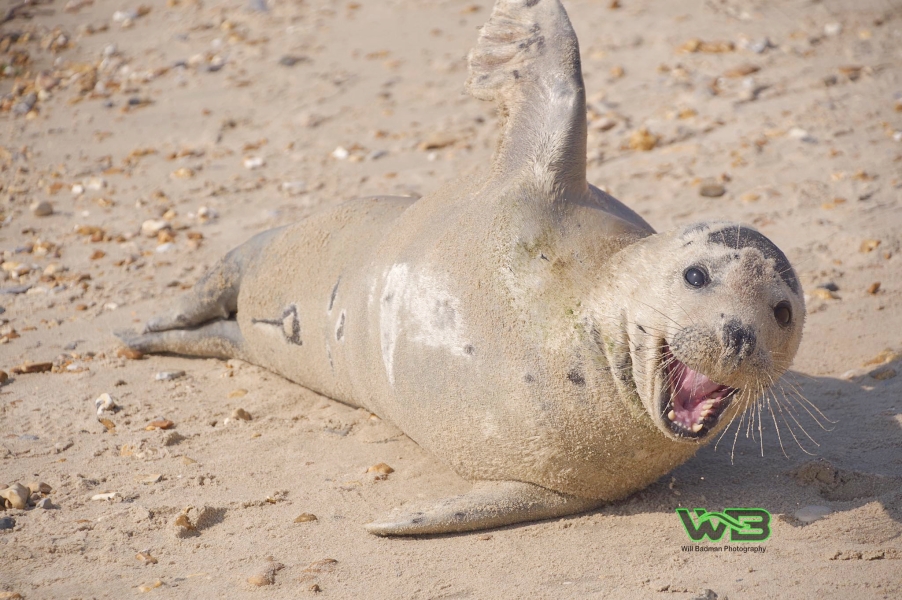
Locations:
(215, 295)
(217, 339)
(489, 504)
(527, 61)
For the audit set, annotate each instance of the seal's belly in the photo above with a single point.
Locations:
(301, 302)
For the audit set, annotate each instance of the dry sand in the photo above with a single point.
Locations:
(795, 108)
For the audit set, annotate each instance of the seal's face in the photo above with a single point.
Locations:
(718, 323)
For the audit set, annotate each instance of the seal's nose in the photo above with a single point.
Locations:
(738, 339)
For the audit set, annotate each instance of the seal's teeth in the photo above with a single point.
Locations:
(672, 415)
(697, 427)
(705, 412)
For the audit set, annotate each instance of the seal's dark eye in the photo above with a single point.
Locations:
(783, 313)
(695, 277)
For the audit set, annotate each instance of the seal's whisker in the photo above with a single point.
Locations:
(666, 316)
(736, 437)
(760, 432)
(748, 426)
(776, 426)
(791, 410)
(789, 427)
(725, 429)
(800, 397)
(795, 397)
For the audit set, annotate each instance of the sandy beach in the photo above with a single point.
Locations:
(139, 142)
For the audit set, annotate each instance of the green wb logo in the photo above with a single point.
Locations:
(745, 524)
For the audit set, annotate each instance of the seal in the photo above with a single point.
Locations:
(526, 327)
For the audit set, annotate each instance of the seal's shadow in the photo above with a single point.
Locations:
(857, 461)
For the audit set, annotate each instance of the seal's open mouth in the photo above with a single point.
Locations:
(691, 403)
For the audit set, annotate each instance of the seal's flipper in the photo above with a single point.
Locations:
(489, 504)
(527, 61)
(217, 339)
(215, 295)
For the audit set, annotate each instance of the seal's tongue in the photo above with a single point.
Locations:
(693, 396)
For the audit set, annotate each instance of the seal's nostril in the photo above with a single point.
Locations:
(738, 338)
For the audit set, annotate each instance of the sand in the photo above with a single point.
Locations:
(222, 120)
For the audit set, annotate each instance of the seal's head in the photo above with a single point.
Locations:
(713, 318)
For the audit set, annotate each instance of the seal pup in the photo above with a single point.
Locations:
(526, 328)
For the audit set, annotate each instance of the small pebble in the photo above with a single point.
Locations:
(254, 162)
(809, 514)
(743, 70)
(29, 367)
(129, 354)
(206, 214)
(239, 393)
(146, 558)
(290, 61)
(105, 403)
(39, 487)
(44, 503)
(4, 377)
(381, 469)
(25, 104)
(267, 576)
(800, 134)
(760, 46)
(169, 375)
(340, 153)
(294, 188)
(7, 523)
(185, 523)
(824, 294)
(305, 518)
(240, 413)
(161, 424)
(151, 586)
(96, 183)
(829, 286)
(711, 189)
(869, 246)
(832, 28)
(182, 173)
(643, 140)
(16, 496)
(120, 16)
(874, 288)
(105, 496)
(150, 479)
(42, 209)
(151, 228)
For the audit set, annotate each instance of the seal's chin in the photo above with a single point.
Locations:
(691, 403)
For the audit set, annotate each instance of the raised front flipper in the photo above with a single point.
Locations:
(489, 504)
(527, 61)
